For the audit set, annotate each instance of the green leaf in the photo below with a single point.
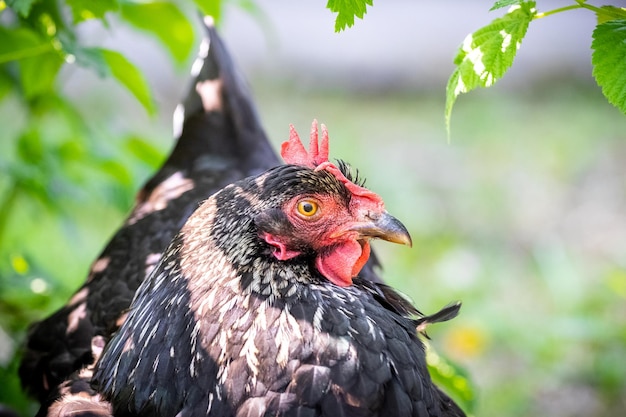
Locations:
(609, 61)
(608, 13)
(346, 11)
(107, 62)
(211, 8)
(22, 7)
(30, 147)
(21, 43)
(128, 74)
(32, 172)
(504, 3)
(39, 73)
(488, 53)
(452, 379)
(167, 22)
(89, 9)
(39, 61)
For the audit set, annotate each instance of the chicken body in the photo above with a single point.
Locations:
(244, 314)
(229, 326)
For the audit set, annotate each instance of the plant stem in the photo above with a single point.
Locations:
(583, 4)
(580, 4)
(559, 10)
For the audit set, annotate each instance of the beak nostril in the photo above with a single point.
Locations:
(372, 215)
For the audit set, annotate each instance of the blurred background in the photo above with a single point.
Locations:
(520, 214)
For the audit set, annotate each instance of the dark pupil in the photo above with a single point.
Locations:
(307, 207)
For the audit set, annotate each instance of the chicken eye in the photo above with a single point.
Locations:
(307, 208)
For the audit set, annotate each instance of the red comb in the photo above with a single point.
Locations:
(293, 151)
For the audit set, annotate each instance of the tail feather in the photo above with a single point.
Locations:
(218, 113)
(447, 313)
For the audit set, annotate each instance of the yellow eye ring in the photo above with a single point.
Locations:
(307, 208)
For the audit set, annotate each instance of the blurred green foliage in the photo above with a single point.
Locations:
(66, 180)
(519, 217)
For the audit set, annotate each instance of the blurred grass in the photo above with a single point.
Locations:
(520, 216)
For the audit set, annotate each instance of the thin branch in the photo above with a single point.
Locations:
(559, 10)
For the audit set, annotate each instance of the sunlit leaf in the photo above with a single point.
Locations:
(128, 74)
(90, 9)
(452, 379)
(609, 61)
(504, 3)
(488, 53)
(608, 13)
(166, 22)
(346, 11)
(19, 264)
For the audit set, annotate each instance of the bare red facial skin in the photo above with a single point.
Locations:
(341, 254)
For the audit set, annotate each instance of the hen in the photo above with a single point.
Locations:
(264, 303)
(220, 140)
(256, 308)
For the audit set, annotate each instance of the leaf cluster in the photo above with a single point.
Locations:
(488, 53)
(50, 147)
(347, 10)
(57, 166)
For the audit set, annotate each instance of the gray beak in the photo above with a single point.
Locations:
(384, 226)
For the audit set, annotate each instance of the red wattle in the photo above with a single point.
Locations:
(360, 263)
(344, 262)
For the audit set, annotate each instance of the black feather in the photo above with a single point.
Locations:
(310, 383)
(352, 174)
(447, 313)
